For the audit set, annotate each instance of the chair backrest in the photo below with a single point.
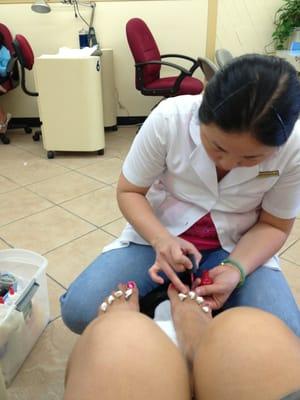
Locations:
(23, 51)
(143, 48)
(7, 38)
(25, 57)
(12, 68)
(223, 57)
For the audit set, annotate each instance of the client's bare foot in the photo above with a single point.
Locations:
(125, 298)
(190, 320)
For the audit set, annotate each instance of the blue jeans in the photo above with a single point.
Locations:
(265, 288)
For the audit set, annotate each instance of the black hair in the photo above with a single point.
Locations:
(2, 40)
(256, 94)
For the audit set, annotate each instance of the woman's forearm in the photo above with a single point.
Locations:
(139, 213)
(258, 245)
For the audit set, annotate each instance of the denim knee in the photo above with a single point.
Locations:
(74, 315)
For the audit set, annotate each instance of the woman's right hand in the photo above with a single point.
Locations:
(171, 259)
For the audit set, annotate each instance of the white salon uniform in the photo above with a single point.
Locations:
(168, 155)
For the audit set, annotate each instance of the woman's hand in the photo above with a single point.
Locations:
(225, 278)
(171, 258)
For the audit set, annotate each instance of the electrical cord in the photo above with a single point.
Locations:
(78, 12)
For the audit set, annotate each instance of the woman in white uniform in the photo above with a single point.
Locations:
(216, 176)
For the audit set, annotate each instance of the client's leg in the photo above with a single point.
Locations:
(122, 354)
(245, 354)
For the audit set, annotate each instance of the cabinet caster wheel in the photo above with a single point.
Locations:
(5, 139)
(50, 154)
(27, 129)
(100, 152)
(36, 136)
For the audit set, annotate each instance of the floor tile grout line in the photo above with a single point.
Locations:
(78, 216)
(53, 205)
(71, 199)
(74, 198)
(82, 195)
(96, 179)
(26, 216)
(111, 222)
(69, 241)
(62, 165)
(57, 163)
(38, 181)
(86, 165)
(77, 238)
(112, 234)
(291, 245)
(7, 243)
(69, 170)
(290, 261)
(56, 281)
(9, 179)
(46, 179)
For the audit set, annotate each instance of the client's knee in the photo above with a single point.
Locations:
(245, 327)
(247, 320)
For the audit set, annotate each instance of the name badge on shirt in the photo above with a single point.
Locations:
(268, 174)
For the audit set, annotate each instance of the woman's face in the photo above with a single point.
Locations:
(231, 150)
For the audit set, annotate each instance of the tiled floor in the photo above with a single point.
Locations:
(65, 209)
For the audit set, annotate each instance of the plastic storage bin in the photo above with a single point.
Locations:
(23, 321)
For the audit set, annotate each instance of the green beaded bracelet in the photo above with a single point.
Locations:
(239, 267)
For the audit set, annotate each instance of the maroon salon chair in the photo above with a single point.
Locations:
(148, 63)
(25, 56)
(12, 69)
(12, 80)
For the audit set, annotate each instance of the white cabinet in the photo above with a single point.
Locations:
(70, 103)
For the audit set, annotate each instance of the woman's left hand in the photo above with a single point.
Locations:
(225, 280)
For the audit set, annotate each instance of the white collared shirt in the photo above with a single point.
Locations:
(167, 154)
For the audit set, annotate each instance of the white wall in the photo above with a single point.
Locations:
(245, 26)
(178, 26)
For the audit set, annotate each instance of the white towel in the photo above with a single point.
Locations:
(163, 319)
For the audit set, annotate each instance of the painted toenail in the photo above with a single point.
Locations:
(110, 299)
(205, 309)
(118, 294)
(199, 300)
(128, 293)
(103, 306)
(131, 285)
(182, 296)
(192, 295)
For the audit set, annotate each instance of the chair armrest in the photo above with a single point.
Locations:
(179, 67)
(183, 71)
(179, 56)
(10, 65)
(195, 62)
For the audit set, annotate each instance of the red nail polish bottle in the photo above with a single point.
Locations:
(206, 279)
